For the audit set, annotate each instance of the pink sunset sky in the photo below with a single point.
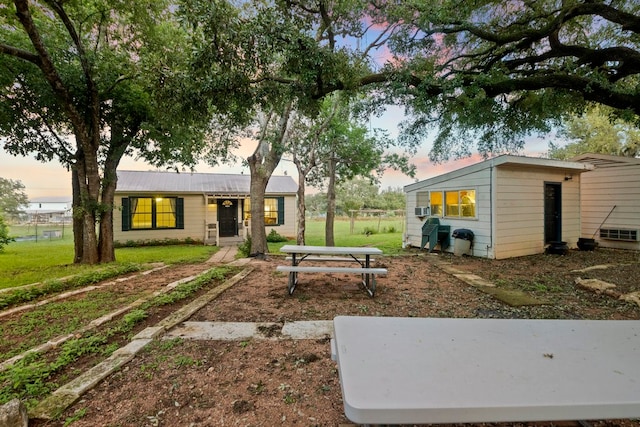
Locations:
(53, 180)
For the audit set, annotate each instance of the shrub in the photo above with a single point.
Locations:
(369, 231)
(4, 234)
(244, 249)
(274, 237)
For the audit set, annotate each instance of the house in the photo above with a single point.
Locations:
(206, 207)
(513, 205)
(56, 210)
(610, 201)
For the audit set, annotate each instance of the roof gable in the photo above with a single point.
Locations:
(201, 183)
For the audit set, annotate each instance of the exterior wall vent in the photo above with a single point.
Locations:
(619, 234)
(422, 211)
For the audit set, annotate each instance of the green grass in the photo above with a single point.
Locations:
(389, 242)
(27, 262)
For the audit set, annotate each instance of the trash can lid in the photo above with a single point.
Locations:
(463, 233)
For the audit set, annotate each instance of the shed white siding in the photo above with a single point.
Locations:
(612, 183)
(510, 204)
(519, 209)
(480, 226)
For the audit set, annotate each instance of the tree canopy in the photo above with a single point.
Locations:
(13, 199)
(80, 82)
(493, 71)
(597, 130)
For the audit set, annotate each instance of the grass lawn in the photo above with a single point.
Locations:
(31, 261)
(385, 234)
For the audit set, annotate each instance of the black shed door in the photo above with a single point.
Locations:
(552, 212)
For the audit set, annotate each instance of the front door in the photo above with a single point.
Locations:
(228, 217)
(552, 212)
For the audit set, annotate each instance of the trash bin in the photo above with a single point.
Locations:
(463, 239)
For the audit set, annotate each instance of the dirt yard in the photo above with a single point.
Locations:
(295, 383)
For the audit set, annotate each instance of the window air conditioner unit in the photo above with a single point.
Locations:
(422, 211)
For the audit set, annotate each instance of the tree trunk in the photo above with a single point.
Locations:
(106, 249)
(331, 204)
(119, 143)
(262, 163)
(76, 205)
(89, 179)
(259, 247)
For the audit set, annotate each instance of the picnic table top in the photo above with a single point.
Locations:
(330, 250)
(436, 370)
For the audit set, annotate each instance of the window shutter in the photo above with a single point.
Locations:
(126, 215)
(280, 210)
(180, 213)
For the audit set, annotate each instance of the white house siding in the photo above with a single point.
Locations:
(289, 228)
(194, 221)
(608, 185)
(481, 226)
(519, 210)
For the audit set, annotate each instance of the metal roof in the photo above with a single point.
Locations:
(504, 160)
(201, 183)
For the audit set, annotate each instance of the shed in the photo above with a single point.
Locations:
(513, 205)
(610, 200)
(208, 207)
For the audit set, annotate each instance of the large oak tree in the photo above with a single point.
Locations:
(80, 82)
(492, 71)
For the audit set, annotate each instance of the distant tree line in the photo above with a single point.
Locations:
(357, 194)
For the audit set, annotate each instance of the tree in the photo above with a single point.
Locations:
(79, 82)
(597, 130)
(348, 149)
(12, 198)
(495, 71)
(4, 234)
(282, 56)
(316, 204)
(391, 199)
(355, 194)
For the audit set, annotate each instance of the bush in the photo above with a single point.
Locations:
(274, 237)
(4, 234)
(244, 249)
(156, 242)
(369, 231)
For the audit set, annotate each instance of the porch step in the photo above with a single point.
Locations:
(230, 241)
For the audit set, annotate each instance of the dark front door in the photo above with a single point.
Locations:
(552, 212)
(228, 217)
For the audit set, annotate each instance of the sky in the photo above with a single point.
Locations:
(53, 180)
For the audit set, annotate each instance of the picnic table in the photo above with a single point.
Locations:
(359, 259)
(436, 370)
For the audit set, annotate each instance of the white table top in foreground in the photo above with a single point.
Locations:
(330, 250)
(430, 370)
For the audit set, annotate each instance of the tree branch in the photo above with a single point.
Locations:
(20, 53)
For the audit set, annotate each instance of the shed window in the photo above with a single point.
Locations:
(460, 203)
(149, 213)
(436, 203)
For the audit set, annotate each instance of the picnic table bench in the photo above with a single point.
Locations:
(434, 370)
(360, 256)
